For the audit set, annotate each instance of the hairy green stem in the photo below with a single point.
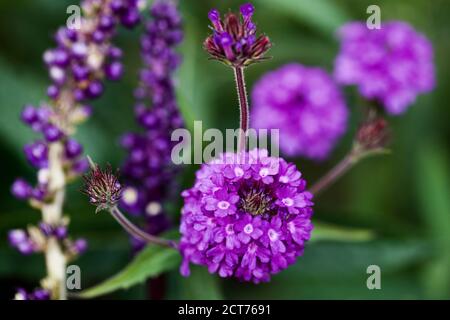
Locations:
(243, 107)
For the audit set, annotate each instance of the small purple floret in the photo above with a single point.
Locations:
(21, 189)
(247, 10)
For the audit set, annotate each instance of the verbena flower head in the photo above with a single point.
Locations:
(102, 187)
(234, 40)
(305, 105)
(247, 216)
(391, 65)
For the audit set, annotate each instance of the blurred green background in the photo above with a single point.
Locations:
(402, 198)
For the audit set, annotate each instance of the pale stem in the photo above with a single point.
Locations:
(52, 213)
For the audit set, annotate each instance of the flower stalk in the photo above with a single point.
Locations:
(347, 163)
(243, 107)
(104, 191)
(334, 174)
(371, 139)
(52, 214)
(133, 230)
(235, 43)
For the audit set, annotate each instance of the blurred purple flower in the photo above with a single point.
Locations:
(76, 68)
(305, 105)
(37, 294)
(79, 246)
(20, 240)
(148, 170)
(391, 65)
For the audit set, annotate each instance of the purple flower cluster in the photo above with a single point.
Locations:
(37, 294)
(82, 58)
(305, 105)
(34, 239)
(148, 170)
(234, 40)
(247, 216)
(76, 67)
(20, 240)
(44, 120)
(391, 65)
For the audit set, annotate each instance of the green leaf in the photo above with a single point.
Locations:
(338, 270)
(14, 133)
(149, 263)
(185, 107)
(323, 15)
(325, 231)
(201, 285)
(432, 192)
(193, 91)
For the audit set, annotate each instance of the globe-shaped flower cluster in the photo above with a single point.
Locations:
(391, 65)
(306, 106)
(247, 216)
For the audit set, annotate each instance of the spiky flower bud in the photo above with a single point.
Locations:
(102, 187)
(234, 40)
(373, 134)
